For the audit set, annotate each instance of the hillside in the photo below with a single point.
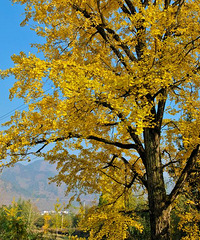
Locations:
(31, 182)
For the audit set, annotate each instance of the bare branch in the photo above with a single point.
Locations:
(169, 163)
(40, 149)
(110, 164)
(173, 123)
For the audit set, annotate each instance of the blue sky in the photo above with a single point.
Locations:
(13, 40)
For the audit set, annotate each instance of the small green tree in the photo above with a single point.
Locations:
(57, 217)
(12, 224)
(30, 214)
(17, 222)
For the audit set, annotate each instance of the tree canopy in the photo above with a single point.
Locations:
(123, 113)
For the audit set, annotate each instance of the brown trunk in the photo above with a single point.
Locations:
(159, 215)
(160, 224)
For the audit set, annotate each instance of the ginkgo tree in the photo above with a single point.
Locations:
(123, 111)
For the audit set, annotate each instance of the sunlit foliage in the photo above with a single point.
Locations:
(124, 96)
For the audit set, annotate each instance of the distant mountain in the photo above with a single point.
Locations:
(31, 182)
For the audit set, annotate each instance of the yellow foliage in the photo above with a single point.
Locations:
(108, 221)
(189, 218)
(47, 219)
(115, 97)
(13, 212)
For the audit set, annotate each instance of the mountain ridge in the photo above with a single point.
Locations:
(31, 182)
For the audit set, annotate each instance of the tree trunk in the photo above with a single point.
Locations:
(159, 214)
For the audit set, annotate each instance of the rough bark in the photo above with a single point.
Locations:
(159, 212)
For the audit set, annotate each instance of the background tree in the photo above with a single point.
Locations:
(124, 77)
(57, 220)
(29, 212)
(15, 223)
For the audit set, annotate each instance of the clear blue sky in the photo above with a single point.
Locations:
(13, 40)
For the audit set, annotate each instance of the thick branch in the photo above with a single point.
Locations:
(161, 109)
(130, 6)
(184, 175)
(90, 137)
(100, 13)
(124, 8)
(109, 124)
(117, 144)
(167, 3)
